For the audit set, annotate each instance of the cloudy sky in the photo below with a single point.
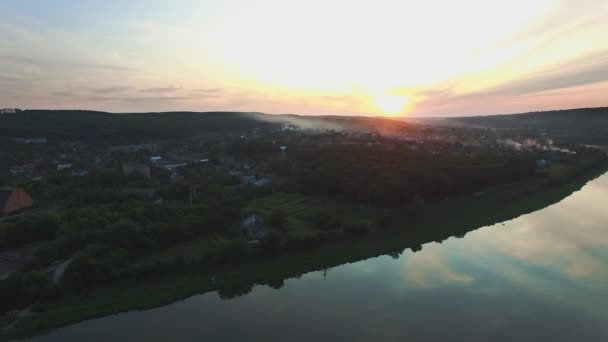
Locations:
(380, 57)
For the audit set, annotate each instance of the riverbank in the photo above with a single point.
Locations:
(438, 220)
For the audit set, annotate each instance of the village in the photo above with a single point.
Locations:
(248, 158)
(46, 175)
(81, 211)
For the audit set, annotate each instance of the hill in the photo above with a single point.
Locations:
(583, 125)
(93, 125)
(76, 124)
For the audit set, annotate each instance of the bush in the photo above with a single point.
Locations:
(276, 219)
(37, 285)
(271, 243)
(232, 251)
(325, 221)
(355, 229)
(385, 221)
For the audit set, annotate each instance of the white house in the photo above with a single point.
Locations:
(80, 172)
(61, 167)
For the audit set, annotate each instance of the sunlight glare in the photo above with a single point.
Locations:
(389, 104)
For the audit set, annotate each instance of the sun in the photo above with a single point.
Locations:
(389, 104)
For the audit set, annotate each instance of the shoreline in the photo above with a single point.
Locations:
(459, 216)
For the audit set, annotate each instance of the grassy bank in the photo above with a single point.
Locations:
(438, 221)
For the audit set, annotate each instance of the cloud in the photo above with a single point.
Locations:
(62, 94)
(56, 63)
(110, 90)
(140, 98)
(207, 90)
(161, 90)
(4, 78)
(522, 93)
(583, 70)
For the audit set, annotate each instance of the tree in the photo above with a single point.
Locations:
(276, 220)
(385, 221)
(37, 285)
(271, 243)
(325, 221)
(414, 208)
(231, 251)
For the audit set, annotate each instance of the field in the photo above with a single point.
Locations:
(300, 209)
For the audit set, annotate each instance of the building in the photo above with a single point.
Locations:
(253, 228)
(253, 180)
(248, 180)
(262, 182)
(13, 200)
(171, 167)
(16, 170)
(131, 168)
(61, 167)
(541, 163)
(152, 148)
(80, 172)
(36, 140)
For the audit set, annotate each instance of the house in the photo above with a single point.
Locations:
(248, 180)
(262, 182)
(541, 163)
(283, 148)
(133, 148)
(188, 158)
(31, 140)
(253, 180)
(61, 167)
(131, 168)
(80, 172)
(253, 228)
(13, 200)
(16, 170)
(171, 167)
(156, 159)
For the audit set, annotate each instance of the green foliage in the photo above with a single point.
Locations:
(413, 210)
(233, 251)
(372, 174)
(28, 229)
(355, 229)
(276, 219)
(37, 285)
(385, 221)
(271, 244)
(324, 221)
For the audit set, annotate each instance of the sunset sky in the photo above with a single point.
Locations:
(380, 57)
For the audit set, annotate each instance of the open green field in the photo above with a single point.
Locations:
(299, 210)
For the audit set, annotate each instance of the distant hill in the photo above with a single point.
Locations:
(92, 125)
(584, 125)
(76, 124)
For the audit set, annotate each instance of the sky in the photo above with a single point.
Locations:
(313, 57)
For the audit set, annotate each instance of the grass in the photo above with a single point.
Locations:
(190, 251)
(300, 209)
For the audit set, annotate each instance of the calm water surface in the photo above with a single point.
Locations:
(542, 276)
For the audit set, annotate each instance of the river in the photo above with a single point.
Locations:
(541, 276)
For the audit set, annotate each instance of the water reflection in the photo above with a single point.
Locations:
(541, 276)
